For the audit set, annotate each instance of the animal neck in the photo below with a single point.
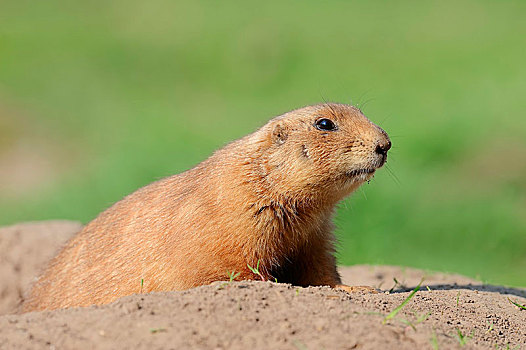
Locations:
(284, 217)
(283, 228)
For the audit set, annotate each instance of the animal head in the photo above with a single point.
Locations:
(326, 148)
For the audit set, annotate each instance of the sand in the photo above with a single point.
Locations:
(448, 312)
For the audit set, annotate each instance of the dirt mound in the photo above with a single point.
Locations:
(448, 310)
(24, 251)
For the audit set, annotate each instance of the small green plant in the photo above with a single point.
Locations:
(142, 284)
(157, 330)
(256, 270)
(462, 338)
(419, 319)
(434, 340)
(395, 285)
(458, 297)
(232, 275)
(517, 304)
(298, 344)
(399, 307)
(423, 317)
(490, 328)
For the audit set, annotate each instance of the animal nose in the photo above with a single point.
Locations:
(383, 147)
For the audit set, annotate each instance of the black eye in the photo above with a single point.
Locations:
(325, 125)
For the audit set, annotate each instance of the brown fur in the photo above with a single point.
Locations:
(267, 197)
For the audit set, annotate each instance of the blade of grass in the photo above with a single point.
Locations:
(517, 304)
(434, 341)
(399, 307)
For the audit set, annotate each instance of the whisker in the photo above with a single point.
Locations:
(363, 192)
(332, 110)
(361, 106)
(323, 98)
(393, 176)
(386, 118)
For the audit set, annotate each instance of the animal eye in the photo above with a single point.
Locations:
(325, 125)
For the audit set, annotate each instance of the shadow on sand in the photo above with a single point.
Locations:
(520, 292)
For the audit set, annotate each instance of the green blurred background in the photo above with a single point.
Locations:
(99, 98)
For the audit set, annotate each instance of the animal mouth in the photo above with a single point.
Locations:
(357, 172)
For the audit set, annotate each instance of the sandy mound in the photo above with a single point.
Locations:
(263, 315)
(24, 250)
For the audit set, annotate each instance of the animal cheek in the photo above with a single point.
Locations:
(305, 151)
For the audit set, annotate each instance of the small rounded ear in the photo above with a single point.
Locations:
(279, 133)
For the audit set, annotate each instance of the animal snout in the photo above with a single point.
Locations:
(382, 147)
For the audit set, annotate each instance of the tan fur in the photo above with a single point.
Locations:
(267, 197)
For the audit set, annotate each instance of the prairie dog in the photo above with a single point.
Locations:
(266, 199)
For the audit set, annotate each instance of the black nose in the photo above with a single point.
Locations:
(382, 148)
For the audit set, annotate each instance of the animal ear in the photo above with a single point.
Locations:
(279, 133)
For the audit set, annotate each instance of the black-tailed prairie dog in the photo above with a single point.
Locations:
(267, 199)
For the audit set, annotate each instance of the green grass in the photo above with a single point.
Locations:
(463, 338)
(397, 309)
(523, 307)
(158, 330)
(255, 271)
(418, 319)
(434, 341)
(232, 275)
(121, 93)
